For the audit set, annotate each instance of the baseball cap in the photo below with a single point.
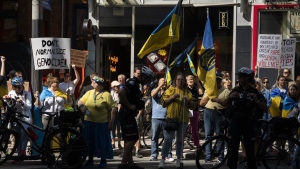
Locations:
(115, 83)
(11, 74)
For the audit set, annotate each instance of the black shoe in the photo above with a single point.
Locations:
(135, 166)
(243, 160)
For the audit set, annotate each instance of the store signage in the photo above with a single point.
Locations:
(51, 53)
(269, 50)
(288, 48)
(223, 19)
(113, 65)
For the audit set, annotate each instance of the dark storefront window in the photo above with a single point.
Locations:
(8, 21)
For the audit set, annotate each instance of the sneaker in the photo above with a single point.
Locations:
(135, 166)
(161, 164)
(123, 166)
(138, 155)
(170, 159)
(153, 158)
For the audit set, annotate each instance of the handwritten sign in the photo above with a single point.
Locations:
(51, 53)
(288, 48)
(269, 50)
(78, 57)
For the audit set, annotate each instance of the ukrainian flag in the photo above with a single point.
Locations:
(288, 106)
(166, 33)
(182, 58)
(207, 62)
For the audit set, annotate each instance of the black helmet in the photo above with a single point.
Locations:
(245, 72)
(147, 75)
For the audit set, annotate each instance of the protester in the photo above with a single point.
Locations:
(246, 101)
(212, 117)
(23, 106)
(3, 87)
(194, 86)
(68, 83)
(178, 100)
(277, 96)
(86, 85)
(157, 122)
(130, 100)
(98, 120)
(266, 83)
(121, 80)
(116, 124)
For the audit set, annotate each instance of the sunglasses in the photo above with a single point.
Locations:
(265, 82)
(285, 72)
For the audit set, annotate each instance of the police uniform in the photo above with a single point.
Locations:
(243, 125)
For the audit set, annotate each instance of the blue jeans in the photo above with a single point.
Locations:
(212, 125)
(296, 158)
(157, 126)
(169, 136)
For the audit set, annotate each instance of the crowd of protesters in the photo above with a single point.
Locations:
(117, 110)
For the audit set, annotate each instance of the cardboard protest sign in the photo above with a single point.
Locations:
(288, 48)
(78, 57)
(269, 50)
(51, 53)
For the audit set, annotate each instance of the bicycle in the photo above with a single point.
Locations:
(269, 152)
(62, 146)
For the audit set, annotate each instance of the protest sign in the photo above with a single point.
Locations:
(78, 57)
(51, 53)
(288, 48)
(269, 50)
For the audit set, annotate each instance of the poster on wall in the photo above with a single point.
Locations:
(288, 49)
(268, 50)
(295, 22)
(51, 53)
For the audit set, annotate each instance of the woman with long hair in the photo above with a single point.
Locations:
(178, 100)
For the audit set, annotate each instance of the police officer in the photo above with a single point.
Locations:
(245, 101)
(130, 100)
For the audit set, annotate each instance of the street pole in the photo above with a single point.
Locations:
(36, 31)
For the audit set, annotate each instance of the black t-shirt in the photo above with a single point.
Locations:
(1, 79)
(245, 102)
(195, 94)
(133, 94)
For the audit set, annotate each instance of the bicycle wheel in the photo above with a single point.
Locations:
(147, 136)
(219, 145)
(278, 152)
(66, 148)
(7, 147)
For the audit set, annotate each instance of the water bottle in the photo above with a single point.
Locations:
(32, 133)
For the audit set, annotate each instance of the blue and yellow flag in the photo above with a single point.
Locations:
(182, 58)
(288, 106)
(207, 62)
(163, 34)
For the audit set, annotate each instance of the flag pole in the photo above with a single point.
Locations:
(170, 49)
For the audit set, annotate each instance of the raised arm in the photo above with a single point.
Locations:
(2, 66)
(77, 77)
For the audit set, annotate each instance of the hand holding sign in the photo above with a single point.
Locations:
(73, 66)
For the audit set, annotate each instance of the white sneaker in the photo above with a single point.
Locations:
(161, 164)
(170, 159)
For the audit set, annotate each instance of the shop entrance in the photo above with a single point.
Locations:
(115, 57)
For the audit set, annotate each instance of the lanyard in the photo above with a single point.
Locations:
(95, 97)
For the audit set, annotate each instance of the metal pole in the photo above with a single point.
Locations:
(36, 21)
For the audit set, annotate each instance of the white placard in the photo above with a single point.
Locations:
(288, 48)
(51, 53)
(268, 50)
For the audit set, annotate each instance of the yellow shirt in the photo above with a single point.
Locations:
(222, 94)
(99, 106)
(175, 108)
